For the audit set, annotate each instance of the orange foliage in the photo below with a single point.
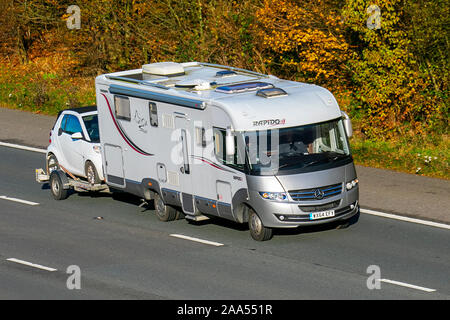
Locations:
(305, 38)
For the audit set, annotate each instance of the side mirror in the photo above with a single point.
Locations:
(77, 136)
(229, 142)
(347, 124)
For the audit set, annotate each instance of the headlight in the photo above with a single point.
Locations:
(97, 149)
(351, 184)
(277, 196)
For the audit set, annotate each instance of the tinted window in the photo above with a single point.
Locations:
(237, 161)
(153, 114)
(91, 124)
(122, 105)
(72, 125)
(63, 122)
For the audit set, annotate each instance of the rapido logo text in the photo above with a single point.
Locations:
(269, 122)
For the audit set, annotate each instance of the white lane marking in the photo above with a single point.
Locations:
(402, 218)
(18, 146)
(34, 265)
(31, 203)
(403, 284)
(212, 243)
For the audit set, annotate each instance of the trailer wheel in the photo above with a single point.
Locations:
(257, 229)
(164, 212)
(56, 187)
(91, 173)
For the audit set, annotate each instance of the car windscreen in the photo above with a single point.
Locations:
(91, 124)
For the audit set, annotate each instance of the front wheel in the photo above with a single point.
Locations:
(257, 229)
(164, 212)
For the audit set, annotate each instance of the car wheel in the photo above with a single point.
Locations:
(91, 173)
(52, 164)
(56, 187)
(164, 212)
(257, 229)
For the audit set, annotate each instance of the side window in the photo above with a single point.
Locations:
(63, 122)
(237, 161)
(72, 125)
(122, 107)
(200, 137)
(153, 114)
(219, 144)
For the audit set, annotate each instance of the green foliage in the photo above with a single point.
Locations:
(392, 89)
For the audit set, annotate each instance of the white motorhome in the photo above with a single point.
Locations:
(211, 140)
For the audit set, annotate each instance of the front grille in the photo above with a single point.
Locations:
(321, 207)
(316, 193)
(306, 217)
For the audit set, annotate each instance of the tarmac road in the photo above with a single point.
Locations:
(129, 254)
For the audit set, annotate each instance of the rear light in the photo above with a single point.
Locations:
(50, 137)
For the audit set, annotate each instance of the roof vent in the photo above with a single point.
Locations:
(271, 93)
(168, 69)
(243, 87)
(225, 73)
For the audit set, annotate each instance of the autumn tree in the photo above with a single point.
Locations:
(390, 88)
(304, 40)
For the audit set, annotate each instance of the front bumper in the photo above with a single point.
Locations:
(292, 214)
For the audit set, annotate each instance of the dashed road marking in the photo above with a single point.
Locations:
(212, 243)
(31, 203)
(34, 265)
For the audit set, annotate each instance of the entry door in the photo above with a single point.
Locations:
(184, 164)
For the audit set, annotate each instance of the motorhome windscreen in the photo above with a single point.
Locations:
(296, 149)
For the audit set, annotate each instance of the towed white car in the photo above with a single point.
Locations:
(75, 145)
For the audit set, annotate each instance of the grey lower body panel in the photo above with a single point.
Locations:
(297, 214)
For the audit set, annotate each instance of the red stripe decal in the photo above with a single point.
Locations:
(120, 131)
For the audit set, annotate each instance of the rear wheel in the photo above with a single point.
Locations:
(257, 229)
(164, 212)
(52, 163)
(91, 173)
(56, 187)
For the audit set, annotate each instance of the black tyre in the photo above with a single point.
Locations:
(91, 173)
(52, 164)
(164, 212)
(56, 187)
(257, 229)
